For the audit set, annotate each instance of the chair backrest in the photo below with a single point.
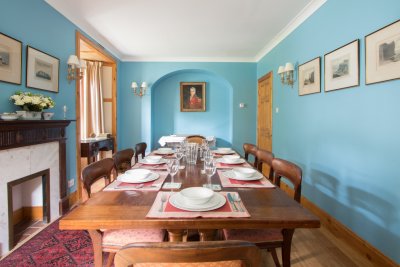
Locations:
(265, 157)
(289, 170)
(123, 160)
(95, 171)
(198, 139)
(250, 149)
(232, 253)
(140, 149)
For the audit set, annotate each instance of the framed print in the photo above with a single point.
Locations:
(193, 96)
(310, 77)
(342, 67)
(10, 59)
(382, 54)
(41, 70)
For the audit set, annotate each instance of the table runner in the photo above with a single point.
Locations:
(169, 211)
(148, 186)
(228, 182)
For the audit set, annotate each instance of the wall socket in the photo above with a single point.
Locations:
(71, 183)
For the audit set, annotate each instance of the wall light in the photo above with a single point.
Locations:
(75, 67)
(139, 91)
(286, 74)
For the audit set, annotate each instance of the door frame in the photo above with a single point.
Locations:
(262, 78)
(102, 55)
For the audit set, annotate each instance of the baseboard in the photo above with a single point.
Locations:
(18, 215)
(31, 213)
(371, 253)
(73, 199)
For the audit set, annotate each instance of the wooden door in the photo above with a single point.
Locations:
(264, 115)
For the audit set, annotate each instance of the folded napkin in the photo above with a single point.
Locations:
(228, 182)
(169, 211)
(147, 186)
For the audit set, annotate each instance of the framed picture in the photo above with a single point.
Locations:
(41, 70)
(193, 96)
(342, 67)
(10, 59)
(382, 54)
(310, 77)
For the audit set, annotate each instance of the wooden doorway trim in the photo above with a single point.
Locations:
(89, 50)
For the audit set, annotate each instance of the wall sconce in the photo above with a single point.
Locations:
(75, 67)
(139, 91)
(286, 74)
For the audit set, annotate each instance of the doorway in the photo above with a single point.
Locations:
(92, 52)
(264, 116)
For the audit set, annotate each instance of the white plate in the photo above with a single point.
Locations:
(224, 152)
(145, 162)
(158, 152)
(222, 160)
(232, 175)
(127, 178)
(215, 202)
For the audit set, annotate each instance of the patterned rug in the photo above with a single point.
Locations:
(53, 247)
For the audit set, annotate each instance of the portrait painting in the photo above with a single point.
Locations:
(10, 59)
(193, 96)
(310, 77)
(382, 54)
(42, 70)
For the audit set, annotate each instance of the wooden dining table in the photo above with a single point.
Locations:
(268, 208)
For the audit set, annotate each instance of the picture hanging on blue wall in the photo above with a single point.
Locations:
(193, 96)
(10, 59)
(310, 77)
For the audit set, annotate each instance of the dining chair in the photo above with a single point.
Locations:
(113, 240)
(250, 149)
(123, 160)
(271, 239)
(140, 149)
(265, 157)
(191, 254)
(198, 139)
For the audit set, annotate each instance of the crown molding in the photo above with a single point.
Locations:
(188, 59)
(304, 14)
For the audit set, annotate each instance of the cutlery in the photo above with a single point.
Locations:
(135, 186)
(230, 198)
(237, 199)
(163, 199)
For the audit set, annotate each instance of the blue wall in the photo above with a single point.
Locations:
(35, 23)
(346, 141)
(135, 114)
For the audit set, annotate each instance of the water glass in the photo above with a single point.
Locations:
(173, 167)
(191, 153)
(179, 156)
(210, 168)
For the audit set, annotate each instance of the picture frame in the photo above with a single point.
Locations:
(10, 59)
(310, 77)
(193, 96)
(42, 70)
(342, 67)
(382, 54)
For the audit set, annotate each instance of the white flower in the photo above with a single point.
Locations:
(27, 99)
(36, 100)
(19, 102)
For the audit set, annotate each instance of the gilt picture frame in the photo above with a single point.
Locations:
(342, 67)
(42, 70)
(10, 59)
(193, 96)
(382, 54)
(310, 77)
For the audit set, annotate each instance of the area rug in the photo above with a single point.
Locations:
(53, 247)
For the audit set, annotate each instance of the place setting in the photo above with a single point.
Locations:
(195, 202)
(229, 161)
(152, 162)
(138, 179)
(221, 151)
(165, 152)
(244, 177)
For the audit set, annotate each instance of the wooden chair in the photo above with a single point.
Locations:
(198, 139)
(191, 254)
(264, 157)
(114, 240)
(250, 149)
(123, 160)
(140, 149)
(272, 238)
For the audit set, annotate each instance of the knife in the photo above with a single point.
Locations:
(230, 198)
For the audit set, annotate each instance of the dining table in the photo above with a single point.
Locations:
(127, 209)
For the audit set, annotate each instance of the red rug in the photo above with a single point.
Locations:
(53, 247)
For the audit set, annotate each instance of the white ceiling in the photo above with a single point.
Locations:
(187, 30)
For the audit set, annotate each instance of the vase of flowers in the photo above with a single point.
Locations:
(32, 105)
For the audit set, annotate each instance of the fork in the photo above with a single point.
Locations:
(237, 199)
(163, 199)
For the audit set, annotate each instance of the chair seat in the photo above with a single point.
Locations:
(122, 237)
(254, 235)
(235, 263)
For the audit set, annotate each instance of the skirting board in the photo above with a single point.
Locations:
(371, 253)
(73, 199)
(32, 213)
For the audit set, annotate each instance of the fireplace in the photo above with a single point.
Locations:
(30, 149)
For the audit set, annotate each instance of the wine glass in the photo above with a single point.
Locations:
(207, 156)
(179, 156)
(173, 167)
(210, 168)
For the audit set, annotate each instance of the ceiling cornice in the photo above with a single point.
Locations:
(187, 59)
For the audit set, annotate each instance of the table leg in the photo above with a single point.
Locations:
(95, 235)
(207, 234)
(176, 235)
(287, 244)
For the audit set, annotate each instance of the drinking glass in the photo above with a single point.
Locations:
(179, 156)
(210, 168)
(173, 167)
(191, 153)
